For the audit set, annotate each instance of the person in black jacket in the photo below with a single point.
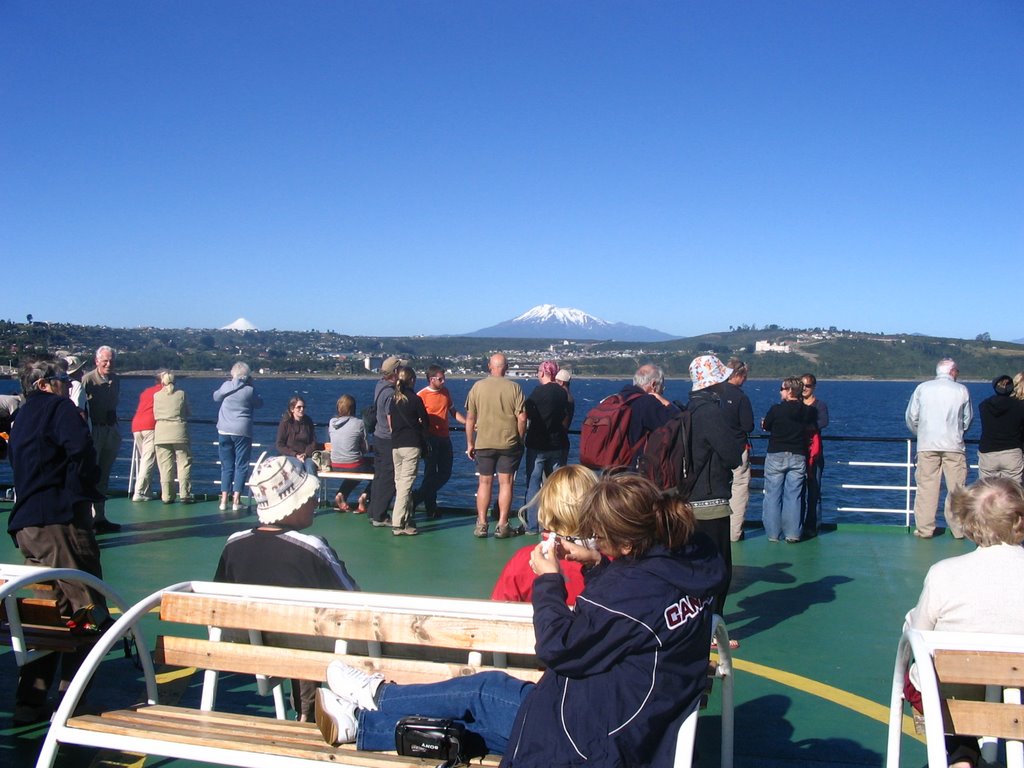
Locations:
(623, 669)
(739, 415)
(1002, 433)
(789, 423)
(57, 477)
(716, 452)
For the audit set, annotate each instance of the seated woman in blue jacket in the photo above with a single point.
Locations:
(624, 668)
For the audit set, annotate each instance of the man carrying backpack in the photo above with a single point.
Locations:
(715, 452)
(615, 431)
(651, 409)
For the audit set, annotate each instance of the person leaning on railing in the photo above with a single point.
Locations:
(238, 399)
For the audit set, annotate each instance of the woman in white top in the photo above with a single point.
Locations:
(980, 591)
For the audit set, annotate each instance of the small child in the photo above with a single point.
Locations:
(559, 514)
(276, 554)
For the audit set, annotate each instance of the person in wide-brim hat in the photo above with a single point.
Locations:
(282, 489)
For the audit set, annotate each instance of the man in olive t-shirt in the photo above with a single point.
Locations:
(495, 425)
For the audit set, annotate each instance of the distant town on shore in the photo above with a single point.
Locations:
(771, 351)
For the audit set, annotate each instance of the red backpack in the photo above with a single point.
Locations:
(604, 436)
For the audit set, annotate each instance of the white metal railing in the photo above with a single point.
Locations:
(908, 487)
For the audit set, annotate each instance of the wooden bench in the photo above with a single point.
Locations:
(337, 474)
(30, 618)
(408, 639)
(962, 658)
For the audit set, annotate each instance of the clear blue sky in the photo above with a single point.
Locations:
(436, 167)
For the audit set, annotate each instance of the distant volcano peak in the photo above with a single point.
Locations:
(241, 324)
(547, 321)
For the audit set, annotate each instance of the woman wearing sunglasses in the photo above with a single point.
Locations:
(623, 668)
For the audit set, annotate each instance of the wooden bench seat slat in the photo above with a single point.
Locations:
(351, 624)
(242, 658)
(984, 718)
(980, 667)
(237, 732)
(50, 639)
(270, 730)
(240, 738)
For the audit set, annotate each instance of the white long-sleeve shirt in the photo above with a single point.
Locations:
(977, 592)
(939, 413)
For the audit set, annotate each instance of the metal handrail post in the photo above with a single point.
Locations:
(910, 455)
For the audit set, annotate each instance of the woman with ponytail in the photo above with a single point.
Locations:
(407, 421)
(623, 669)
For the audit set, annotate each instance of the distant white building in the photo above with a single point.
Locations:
(768, 346)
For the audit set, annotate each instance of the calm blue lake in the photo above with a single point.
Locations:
(858, 409)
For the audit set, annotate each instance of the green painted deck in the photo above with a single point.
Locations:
(818, 621)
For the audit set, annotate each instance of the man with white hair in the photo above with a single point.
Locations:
(652, 409)
(939, 414)
(103, 390)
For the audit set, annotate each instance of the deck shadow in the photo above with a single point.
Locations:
(764, 739)
(744, 576)
(216, 525)
(765, 610)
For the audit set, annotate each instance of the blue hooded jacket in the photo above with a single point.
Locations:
(626, 667)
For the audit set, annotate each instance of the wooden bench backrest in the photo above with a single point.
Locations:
(424, 638)
(981, 718)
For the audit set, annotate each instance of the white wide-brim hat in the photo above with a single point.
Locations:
(280, 485)
(706, 371)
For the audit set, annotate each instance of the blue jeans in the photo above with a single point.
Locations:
(784, 475)
(486, 703)
(539, 464)
(234, 451)
(437, 469)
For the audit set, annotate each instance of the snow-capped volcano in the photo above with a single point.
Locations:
(241, 324)
(546, 321)
(544, 313)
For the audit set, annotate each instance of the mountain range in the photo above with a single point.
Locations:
(546, 321)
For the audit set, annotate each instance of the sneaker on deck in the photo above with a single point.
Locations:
(335, 717)
(353, 685)
(507, 531)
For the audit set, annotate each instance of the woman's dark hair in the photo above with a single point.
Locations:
(290, 410)
(793, 384)
(632, 514)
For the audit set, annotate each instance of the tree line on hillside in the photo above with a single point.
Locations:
(326, 352)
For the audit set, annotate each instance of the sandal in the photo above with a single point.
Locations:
(339, 504)
(361, 507)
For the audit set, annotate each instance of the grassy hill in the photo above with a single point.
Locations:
(827, 354)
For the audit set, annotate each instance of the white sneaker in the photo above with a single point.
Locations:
(353, 685)
(335, 717)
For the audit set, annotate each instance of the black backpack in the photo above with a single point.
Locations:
(667, 458)
(370, 418)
